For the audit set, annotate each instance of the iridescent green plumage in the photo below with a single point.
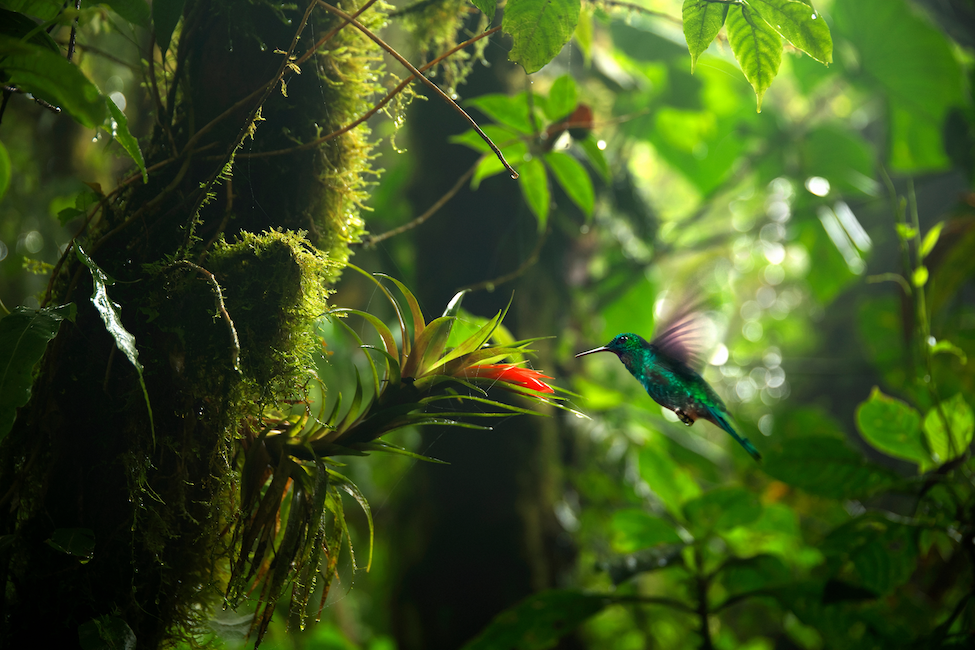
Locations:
(663, 367)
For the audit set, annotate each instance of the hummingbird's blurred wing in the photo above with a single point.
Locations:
(681, 336)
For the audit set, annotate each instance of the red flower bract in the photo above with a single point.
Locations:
(511, 374)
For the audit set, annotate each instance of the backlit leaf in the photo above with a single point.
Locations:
(702, 22)
(931, 239)
(798, 22)
(756, 46)
(893, 427)
(948, 444)
(539, 29)
(487, 7)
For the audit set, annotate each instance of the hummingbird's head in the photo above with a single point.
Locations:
(623, 345)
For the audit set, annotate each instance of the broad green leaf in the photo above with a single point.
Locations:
(487, 7)
(946, 445)
(672, 483)
(539, 29)
(128, 142)
(4, 170)
(800, 24)
(872, 552)
(501, 136)
(511, 111)
(826, 466)
(722, 509)
(893, 427)
(931, 239)
(539, 621)
(52, 78)
(134, 11)
(702, 22)
(24, 335)
(756, 46)
(635, 529)
(563, 97)
(573, 178)
(111, 313)
(106, 633)
(79, 542)
(165, 15)
(534, 187)
(756, 572)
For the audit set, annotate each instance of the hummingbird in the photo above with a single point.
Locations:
(665, 368)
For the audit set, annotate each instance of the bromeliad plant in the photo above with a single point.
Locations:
(291, 524)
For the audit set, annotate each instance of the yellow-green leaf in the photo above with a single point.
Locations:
(539, 29)
(948, 444)
(802, 25)
(757, 47)
(702, 22)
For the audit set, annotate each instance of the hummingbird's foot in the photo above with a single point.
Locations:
(684, 417)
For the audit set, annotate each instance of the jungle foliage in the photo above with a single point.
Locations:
(194, 373)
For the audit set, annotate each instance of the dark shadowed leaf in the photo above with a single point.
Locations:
(51, 77)
(722, 509)
(24, 335)
(539, 621)
(79, 542)
(165, 15)
(106, 633)
(134, 11)
(827, 467)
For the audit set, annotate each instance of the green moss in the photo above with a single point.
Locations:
(274, 289)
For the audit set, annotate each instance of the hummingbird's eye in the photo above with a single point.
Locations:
(623, 338)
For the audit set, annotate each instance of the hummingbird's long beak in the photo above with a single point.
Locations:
(601, 348)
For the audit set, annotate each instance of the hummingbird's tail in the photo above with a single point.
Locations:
(722, 421)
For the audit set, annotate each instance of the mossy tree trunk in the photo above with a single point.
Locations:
(217, 290)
